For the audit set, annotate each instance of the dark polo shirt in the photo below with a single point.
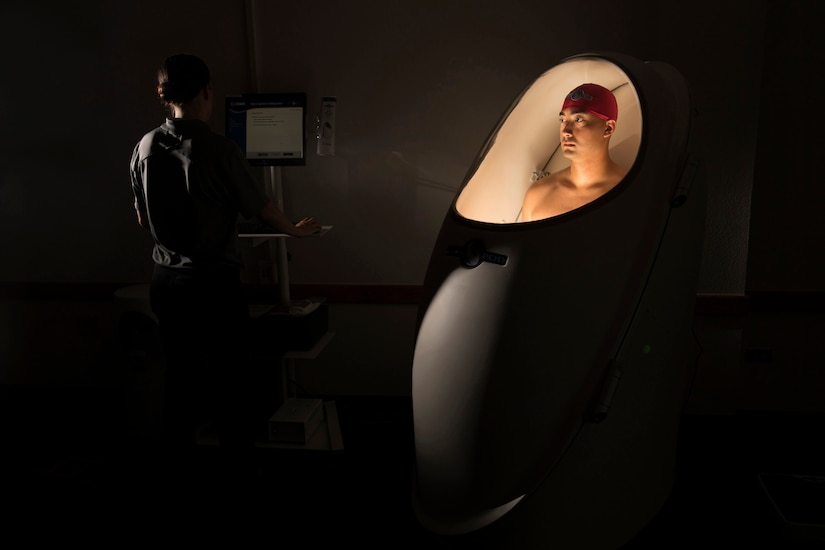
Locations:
(192, 184)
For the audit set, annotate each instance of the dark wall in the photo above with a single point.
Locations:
(787, 228)
(419, 84)
(77, 94)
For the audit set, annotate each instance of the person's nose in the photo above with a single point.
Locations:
(565, 128)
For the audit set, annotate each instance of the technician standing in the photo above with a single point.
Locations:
(190, 185)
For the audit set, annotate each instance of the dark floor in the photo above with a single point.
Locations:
(72, 473)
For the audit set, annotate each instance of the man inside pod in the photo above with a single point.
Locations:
(587, 122)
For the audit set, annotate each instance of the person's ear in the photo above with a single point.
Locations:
(609, 128)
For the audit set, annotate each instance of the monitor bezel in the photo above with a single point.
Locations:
(293, 99)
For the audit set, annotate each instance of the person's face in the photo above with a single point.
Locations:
(582, 134)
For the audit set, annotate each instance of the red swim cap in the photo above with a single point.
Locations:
(594, 99)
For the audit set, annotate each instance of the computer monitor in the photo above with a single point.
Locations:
(270, 128)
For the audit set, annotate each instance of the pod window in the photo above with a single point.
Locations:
(526, 143)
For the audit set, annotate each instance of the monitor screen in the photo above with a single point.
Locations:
(270, 128)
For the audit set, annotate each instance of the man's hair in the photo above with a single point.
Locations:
(181, 77)
(593, 99)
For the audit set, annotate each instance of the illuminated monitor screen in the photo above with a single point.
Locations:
(270, 128)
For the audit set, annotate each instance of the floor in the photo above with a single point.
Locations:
(72, 473)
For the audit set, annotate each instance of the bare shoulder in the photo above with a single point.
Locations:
(616, 175)
(539, 193)
(547, 182)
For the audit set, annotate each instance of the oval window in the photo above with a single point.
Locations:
(526, 145)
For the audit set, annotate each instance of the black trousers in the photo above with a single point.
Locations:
(203, 319)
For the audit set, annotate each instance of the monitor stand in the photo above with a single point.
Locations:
(275, 189)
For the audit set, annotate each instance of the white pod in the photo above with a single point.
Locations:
(550, 362)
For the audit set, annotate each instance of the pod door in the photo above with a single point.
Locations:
(521, 324)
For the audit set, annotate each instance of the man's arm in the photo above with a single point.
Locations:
(143, 219)
(137, 189)
(529, 203)
(274, 218)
